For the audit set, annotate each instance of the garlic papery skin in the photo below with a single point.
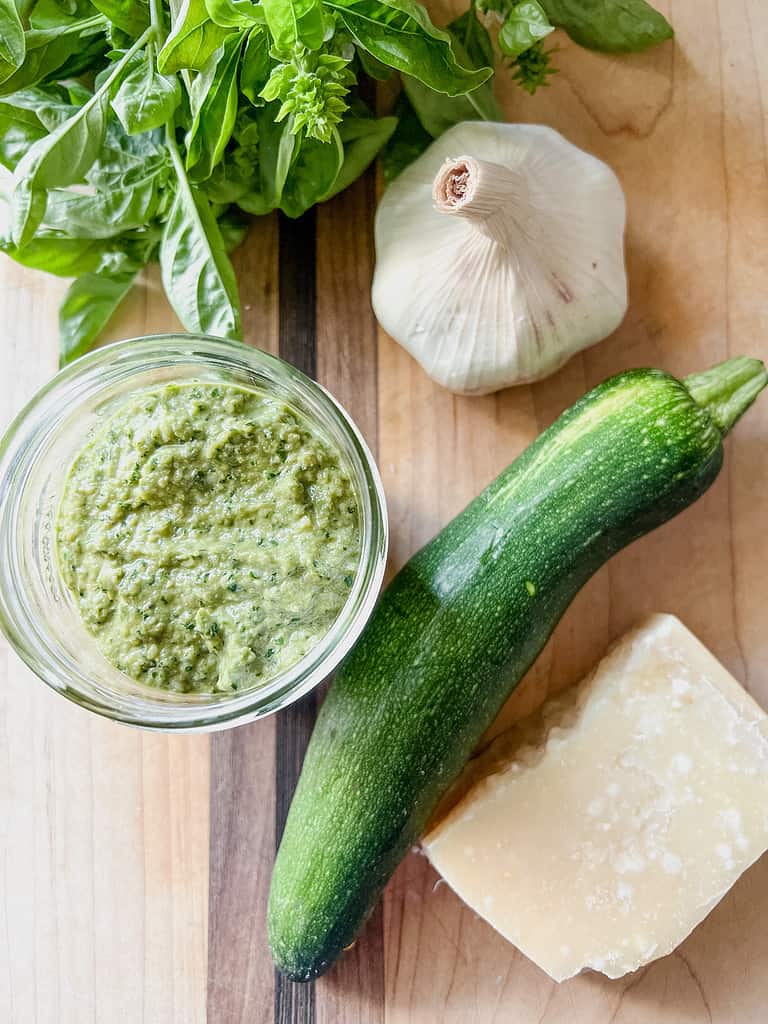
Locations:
(499, 255)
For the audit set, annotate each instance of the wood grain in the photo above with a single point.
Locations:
(242, 847)
(103, 830)
(135, 868)
(295, 1003)
(241, 986)
(685, 129)
(353, 992)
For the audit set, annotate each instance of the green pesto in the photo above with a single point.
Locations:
(208, 536)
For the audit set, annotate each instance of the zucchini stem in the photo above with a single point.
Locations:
(727, 390)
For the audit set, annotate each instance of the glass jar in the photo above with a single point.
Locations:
(37, 612)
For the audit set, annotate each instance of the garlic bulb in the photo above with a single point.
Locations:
(494, 268)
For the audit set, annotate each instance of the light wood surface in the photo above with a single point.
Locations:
(134, 868)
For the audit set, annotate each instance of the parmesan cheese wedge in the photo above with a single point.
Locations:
(606, 826)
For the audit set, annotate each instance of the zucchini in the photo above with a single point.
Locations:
(462, 622)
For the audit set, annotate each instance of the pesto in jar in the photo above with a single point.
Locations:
(208, 536)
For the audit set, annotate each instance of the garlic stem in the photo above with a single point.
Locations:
(479, 190)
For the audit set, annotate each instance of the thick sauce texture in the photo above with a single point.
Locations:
(209, 538)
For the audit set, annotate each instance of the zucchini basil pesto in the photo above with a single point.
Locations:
(209, 538)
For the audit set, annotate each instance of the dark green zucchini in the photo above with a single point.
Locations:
(461, 623)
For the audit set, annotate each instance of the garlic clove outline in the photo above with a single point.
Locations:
(495, 266)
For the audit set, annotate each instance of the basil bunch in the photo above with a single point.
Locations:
(139, 130)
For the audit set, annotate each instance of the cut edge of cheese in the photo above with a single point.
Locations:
(583, 833)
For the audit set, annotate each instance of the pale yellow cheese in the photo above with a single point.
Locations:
(617, 817)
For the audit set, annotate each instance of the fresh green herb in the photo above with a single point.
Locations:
(214, 106)
(57, 253)
(19, 129)
(63, 157)
(138, 130)
(70, 48)
(92, 299)
(292, 23)
(362, 136)
(234, 13)
(193, 39)
(312, 88)
(399, 34)
(12, 42)
(614, 26)
(533, 67)
(128, 16)
(525, 24)
(146, 99)
(194, 262)
(409, 139)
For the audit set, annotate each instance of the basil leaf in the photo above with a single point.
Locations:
(27, 211)
(524, 26)
(196, 270)
(234, 177)
(237, 173)
(287, 147)
(19, 130)
(38, 99)
(193, 39)
(437, 113)
(277, 145)
(55, 13)
(88, 57)
(372, 67)
(12, 43)
(104, 214)
(77, 93)
(63, 157)
(130, 16)
(126, 160)
(234, 227)
(90, 302)
(52, 110)
(214, 98)
(234, 13)
(295, 21)
(363, 138)
(408, 141)
(255, 65)
(400, 34)
(129, 64)
(56, 253)
(312, 174)
(360, 122)
(51, 104)
(473, 39)
(47, 50)
(146, 99)
(246, 131)
(613, 26)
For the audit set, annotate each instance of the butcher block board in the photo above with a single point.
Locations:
(134, 867)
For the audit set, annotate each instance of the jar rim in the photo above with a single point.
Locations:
(120, 361)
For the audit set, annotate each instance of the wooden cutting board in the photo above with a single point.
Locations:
(134, 867)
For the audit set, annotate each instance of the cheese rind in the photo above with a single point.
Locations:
(606, 826)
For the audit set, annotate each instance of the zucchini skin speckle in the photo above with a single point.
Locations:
(453, 634)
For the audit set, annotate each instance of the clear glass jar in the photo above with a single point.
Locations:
(37, 612)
